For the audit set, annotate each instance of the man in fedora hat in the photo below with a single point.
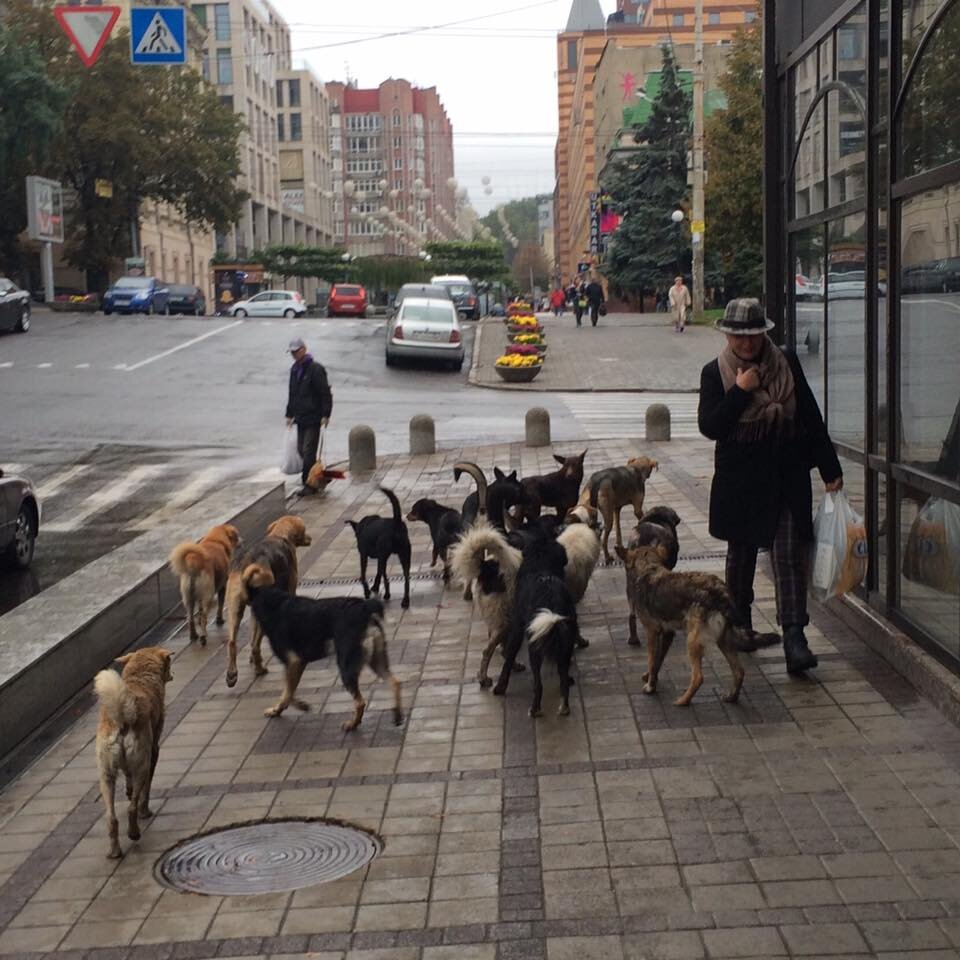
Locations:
(309, 404)
(756, 404)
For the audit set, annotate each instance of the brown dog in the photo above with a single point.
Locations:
(559, 489)
(664, 602)
(612, 489)
(202, 568)
(128, 735)
(278, 552)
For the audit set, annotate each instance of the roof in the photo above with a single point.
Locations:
(585, 15)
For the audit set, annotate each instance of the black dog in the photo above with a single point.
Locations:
(445, 525)
(506, 491)
(299, 630)
(544, 613)
(560, 489)
(657, 526)
(379, 537)
(546, 527)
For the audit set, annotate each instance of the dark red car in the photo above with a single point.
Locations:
(347, 300)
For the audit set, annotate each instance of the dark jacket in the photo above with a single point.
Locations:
(310, 399)
(594, 292)
(753, 482)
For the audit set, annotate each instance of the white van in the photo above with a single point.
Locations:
(462, 293)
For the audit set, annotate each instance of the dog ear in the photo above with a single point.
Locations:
(561, 460)
(512, 476)
(167, 660)
(123, 660)
(498, 474)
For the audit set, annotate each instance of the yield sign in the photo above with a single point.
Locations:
(87, 28)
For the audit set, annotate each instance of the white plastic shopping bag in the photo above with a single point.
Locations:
(839, 560)
(290, 462)
(932, 552)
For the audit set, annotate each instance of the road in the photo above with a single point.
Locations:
(124, 421)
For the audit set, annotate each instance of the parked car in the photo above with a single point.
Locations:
(432, 291)
(184, 298)
(347, 299)
(807, 289)
(922, 278)
(949, 270)
(271, 303)
(425, 329)
(19, 520)
(136, 295)
(14, 307)
(463, 293)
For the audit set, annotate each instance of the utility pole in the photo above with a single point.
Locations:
(697, 224)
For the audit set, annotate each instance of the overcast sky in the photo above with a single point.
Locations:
(496, 74)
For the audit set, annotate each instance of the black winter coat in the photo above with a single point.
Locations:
(310, 399)
(753, 482)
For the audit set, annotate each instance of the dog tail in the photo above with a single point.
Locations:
(394, 502)
(541, 626)
(468, 554)
(187, 559)
(465, 466)
(115, 698)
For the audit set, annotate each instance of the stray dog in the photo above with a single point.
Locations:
(546, 615)
(493, 502)
(612, 489)
(202, 568)
(559, 489)
(299, 630)
(445, 525)
(380, 537)
(277, 551)
(659, 527)
(128, 734)
(665, 601)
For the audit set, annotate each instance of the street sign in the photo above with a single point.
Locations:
(158, 34)
(698, 226)
(87, 28)
(103, 188)
(44, 210)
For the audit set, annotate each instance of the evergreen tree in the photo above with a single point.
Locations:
(648, 248)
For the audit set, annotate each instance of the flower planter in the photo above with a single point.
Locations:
(516, 328)
(527, 349)
(519, 374)
(514, 338)
(65, 306)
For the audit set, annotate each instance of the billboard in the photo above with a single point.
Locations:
(44, 210)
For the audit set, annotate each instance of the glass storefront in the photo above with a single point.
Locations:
(868, 278)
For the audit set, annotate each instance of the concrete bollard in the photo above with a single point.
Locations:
(538, 427)
(362, 444)
(423, 437)
(658, 422)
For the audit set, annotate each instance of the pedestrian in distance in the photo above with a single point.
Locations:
(579, 301)
(309, 405)
(557, 300)
(680, 303)
(756, 404)
(595, 299)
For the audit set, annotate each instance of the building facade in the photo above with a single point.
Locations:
(862, 247)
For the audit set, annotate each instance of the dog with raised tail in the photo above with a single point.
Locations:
(381, 537)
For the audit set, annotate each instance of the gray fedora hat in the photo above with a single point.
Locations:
(744, 317)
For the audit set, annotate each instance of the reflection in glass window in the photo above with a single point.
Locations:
(807, 252)
(808, 180)
(846, 147)
(880, 255)
(930, 331)
(929, 117)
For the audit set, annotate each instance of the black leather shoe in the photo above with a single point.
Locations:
(795, 649)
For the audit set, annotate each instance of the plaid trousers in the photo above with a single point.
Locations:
(789, 558)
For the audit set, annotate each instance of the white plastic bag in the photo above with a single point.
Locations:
(839, 560)
(932, 552)
(290, 462)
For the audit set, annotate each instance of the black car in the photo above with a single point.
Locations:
(184, 298)
(14, 307)
(19, 520)
(431, 291)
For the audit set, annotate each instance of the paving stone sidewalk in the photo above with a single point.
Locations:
(816, 818)
(625, 351)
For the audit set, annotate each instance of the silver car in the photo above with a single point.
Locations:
(425, 329)
(271, 303)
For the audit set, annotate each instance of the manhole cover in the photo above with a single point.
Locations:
(269, 856)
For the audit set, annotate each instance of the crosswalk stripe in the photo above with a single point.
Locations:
(119, 490)
(60, 479)
(619, 416)
(184, 497)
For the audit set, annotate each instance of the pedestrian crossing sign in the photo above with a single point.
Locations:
(158, 35)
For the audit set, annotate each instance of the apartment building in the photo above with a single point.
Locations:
(391, 149)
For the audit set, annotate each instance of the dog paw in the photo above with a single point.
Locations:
(301, 705)
(405, 603)
(582, 643)
(731, 697)
(398, 718)
(274, 711)
(519, 667)
(145, 814)
(499, 690)
(348, 726)
(682, 701)
(633, 641)
(534, 713)
(115, 853)
(231, 679)
(563, 710)
(259, 670)
(485, 682)
(649, 688)
(134, 833)
(203, 640)
(219, 621)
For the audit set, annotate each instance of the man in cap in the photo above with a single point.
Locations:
(756, 404)
(309, 404)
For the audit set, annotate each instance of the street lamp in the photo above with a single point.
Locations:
(677, 216)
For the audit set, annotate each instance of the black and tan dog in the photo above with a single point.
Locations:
(659, 527)
(611, 489)
(446, 528)
(300, 631)
(278, 552)
(664, 601)
(559, 489)
(381, 537)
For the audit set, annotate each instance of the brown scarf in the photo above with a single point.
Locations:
(773, 405)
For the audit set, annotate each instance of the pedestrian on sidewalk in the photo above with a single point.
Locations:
(756, 404)
(680, 303)
(595, 298)
(309, 405)
(557, 300)
(579, 301)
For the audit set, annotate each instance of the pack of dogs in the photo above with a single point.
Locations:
(525, 569)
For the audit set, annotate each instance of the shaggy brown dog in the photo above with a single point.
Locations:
(277, 551)
(128, 735)
(612, 489)
(665, 601)
(202, 568)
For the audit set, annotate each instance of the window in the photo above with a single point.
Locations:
(280, 135)
(221, 21)
(296, 132)
(224, 67)
(293, 91)
(678, 19)
(396, 118)
(227, 100)
(200, 12)
(571, 54)
(714, 19)
(398, 183)
(398, 163)
(398, 143)
(279, 93)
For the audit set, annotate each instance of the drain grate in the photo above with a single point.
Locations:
(268, 856)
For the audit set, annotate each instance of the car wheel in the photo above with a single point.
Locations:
(289, 314)
(363, 314)
(107, 313)
(23, 323)
(240, 313)
(391, 361)
(20, 550)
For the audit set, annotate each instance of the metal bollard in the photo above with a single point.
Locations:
(538, 427)
(658, 422)
(362, 444)
(423, 438)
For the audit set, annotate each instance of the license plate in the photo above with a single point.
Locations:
(431, 335)
(348, 306)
